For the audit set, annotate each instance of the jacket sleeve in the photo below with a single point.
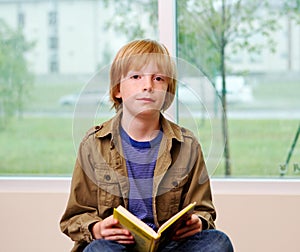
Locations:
(199, 190)
(81, 210)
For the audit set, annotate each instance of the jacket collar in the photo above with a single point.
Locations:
(111, 127)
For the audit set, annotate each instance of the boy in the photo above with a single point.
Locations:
(142, 161)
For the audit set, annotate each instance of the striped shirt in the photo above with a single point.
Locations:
(140, 161)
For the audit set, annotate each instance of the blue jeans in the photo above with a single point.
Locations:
(205, 241)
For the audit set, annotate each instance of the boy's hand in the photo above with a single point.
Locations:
(109, 229)
(191, 227)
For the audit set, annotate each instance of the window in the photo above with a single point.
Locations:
(262, 87)
(53, 66)
(21, 20)
(53, 42)
(52, 16)
(67, 62)
(57, 56)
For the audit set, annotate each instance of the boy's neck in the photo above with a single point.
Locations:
(141, 129)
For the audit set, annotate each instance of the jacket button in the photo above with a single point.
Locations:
(175, 183)
(112, 146)
(98, 127)
(107, 177)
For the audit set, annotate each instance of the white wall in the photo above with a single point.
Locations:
(257, 215)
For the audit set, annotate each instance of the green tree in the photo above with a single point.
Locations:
(15, 78)
(126, 15)
(210, 27)
(291, 8)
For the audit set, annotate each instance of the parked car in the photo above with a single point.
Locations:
(86, 97)
(236, 89)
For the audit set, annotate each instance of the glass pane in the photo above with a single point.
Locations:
(256, 46)
(52, 55)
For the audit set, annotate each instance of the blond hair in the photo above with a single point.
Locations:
(137, 54)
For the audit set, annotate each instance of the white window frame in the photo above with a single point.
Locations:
(167, 35)
(167, 24)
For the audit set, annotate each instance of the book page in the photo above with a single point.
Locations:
(178, 218)
(135, 223)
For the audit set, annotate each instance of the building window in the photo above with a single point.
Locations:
(21, 20)
(53, 43)
(53, 67)
(52, 18)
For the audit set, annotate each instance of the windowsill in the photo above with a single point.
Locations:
(35, 184)
(256, 186)
(219, 186)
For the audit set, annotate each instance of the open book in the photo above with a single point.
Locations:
(146, 239)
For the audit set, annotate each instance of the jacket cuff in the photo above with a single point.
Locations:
(206, 224)
(87, 232)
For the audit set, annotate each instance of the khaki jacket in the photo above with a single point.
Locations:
(100, 183)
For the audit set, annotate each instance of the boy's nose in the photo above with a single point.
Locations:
(148, 83)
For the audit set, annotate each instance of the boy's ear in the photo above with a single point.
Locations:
(117, 93)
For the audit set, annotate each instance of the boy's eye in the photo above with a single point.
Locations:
(135, 76)
(158, 78)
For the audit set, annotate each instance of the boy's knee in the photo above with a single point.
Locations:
(221, 241)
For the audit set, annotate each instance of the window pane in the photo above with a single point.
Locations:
(52, 54)
(260, 47)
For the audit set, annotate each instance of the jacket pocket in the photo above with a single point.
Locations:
(109, 193)
(169, 194)
(173, 180)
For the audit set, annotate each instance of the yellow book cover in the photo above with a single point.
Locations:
(146, 239)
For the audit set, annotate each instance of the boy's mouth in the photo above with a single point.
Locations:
(146, 99)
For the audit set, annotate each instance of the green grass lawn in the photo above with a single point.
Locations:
(259, 147)
(37, 146)
(44, 146)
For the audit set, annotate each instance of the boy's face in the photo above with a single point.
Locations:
(143, 91)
